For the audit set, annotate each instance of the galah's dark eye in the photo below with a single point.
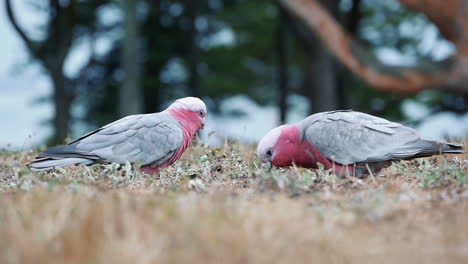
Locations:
(269, 153)
(201, 113)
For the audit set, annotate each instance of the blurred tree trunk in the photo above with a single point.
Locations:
(194, 51)
(320, 70)
(152, 63)
(320, 82)
(354, 18)
(283, 60)
(326, 86)
(351, 20)
(51, 53)
(130, 95)
(451, 17)
(62, 103)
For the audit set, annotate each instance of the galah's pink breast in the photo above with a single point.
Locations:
(190, 123)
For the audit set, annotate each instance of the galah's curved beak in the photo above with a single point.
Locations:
(202, 124)
(267, 164)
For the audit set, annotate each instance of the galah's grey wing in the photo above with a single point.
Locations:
(348, 137)
(149, 138)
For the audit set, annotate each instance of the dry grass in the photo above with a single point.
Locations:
(219, 206)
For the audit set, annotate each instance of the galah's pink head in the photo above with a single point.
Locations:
(189, 109)
(279, 146)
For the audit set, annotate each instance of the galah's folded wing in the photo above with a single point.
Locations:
(348, 137)
(149, 138)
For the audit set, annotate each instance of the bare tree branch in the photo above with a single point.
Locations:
(441, 13)
(27, 41)
(364, 63)
(51, 52)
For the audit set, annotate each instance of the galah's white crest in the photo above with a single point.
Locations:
(156, 140)
(341, 139)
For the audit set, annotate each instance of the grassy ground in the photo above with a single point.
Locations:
(219, 206)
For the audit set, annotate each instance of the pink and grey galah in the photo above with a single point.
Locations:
(345, 140)
(157, 140)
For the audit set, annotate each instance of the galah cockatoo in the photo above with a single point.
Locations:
(341, 139)
(156, 140)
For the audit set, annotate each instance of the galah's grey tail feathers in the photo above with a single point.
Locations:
(42, 164)
(66, 151)
(61, 156)
(453, 148)
(425, 148)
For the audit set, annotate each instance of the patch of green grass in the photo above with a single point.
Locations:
(434, 172)
(444, 173)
